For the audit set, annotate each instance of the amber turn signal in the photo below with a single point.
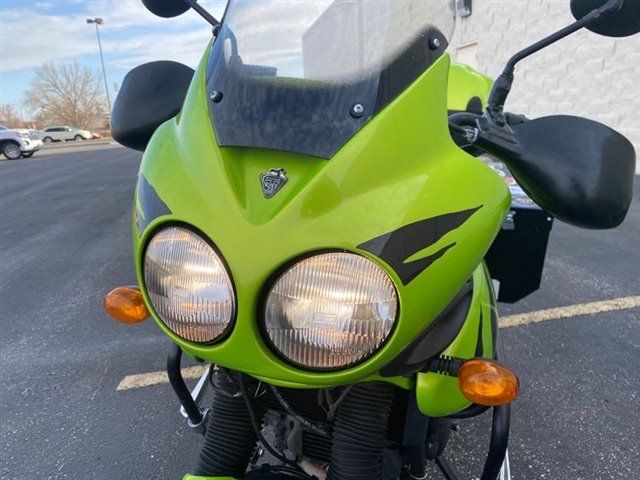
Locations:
(487, 382)
(126, 305)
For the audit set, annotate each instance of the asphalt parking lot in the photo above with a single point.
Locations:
(65, 241)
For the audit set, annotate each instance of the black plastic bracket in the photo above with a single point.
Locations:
(435, 338)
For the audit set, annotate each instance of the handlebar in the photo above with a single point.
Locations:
(476, 133)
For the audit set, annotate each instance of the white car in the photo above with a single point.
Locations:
(18, 142)
(60, 134)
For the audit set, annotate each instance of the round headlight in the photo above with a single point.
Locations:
(331, 310)
(188, 285)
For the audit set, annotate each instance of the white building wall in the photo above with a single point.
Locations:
(585, 74)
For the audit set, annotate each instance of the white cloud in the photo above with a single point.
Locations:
(37, 34)
(186, 48)
(43, 5)
(43, 38)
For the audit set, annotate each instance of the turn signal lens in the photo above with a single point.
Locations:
(126, 305)
(487, 383)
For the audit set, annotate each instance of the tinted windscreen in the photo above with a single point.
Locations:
(305, 76)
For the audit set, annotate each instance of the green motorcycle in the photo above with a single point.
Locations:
(313, 212)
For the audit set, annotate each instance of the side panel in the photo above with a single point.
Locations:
(438, 395)
(466, 85)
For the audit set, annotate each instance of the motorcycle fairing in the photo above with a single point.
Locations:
(401, 168)
(148, 205)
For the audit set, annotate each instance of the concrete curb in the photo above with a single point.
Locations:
(77, 144)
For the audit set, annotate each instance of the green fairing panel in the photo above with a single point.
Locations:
(438, 395)
(401, 168)
(464, 84)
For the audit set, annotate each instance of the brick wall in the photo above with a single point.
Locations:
(585, 74)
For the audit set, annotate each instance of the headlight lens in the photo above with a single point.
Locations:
(188, 285)
(331, 310)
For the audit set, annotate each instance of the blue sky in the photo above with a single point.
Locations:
(35, 32)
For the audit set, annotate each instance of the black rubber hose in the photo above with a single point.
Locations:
(177, 382)
(360, 433)
(230, 438)
(256, 424)
(311, 427)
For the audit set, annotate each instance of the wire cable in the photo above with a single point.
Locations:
(303, 421)
(256, 427)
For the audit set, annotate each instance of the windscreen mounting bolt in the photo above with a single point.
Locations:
(434, 43)
(215, 96)
(357, 110)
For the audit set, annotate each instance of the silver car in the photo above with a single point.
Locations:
(60, 134)
(18, 142)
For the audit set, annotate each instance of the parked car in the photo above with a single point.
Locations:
(96, 136)
(35, 134)
(60, 134)
(17, 142)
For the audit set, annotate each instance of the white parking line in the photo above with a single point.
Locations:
(569, 311)
(156, 378)
(624, 303)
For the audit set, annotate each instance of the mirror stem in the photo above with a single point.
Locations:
(202, 12)
(502, 85)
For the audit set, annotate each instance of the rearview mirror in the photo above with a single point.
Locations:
(623, 23)
(578, 170)
(150, 95)
(166, 8)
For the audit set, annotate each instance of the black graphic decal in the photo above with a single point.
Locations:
(150, 205)
(479, 344)
(395, 247)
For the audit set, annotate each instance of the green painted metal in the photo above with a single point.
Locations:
(402, 167)
(438, 395)
(464, 84)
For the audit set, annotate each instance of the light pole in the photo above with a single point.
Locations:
(99, 21)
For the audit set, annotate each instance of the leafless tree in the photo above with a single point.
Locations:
(67, 94)
(9, 116)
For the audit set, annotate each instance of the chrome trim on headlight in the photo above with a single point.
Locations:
(188, 284)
